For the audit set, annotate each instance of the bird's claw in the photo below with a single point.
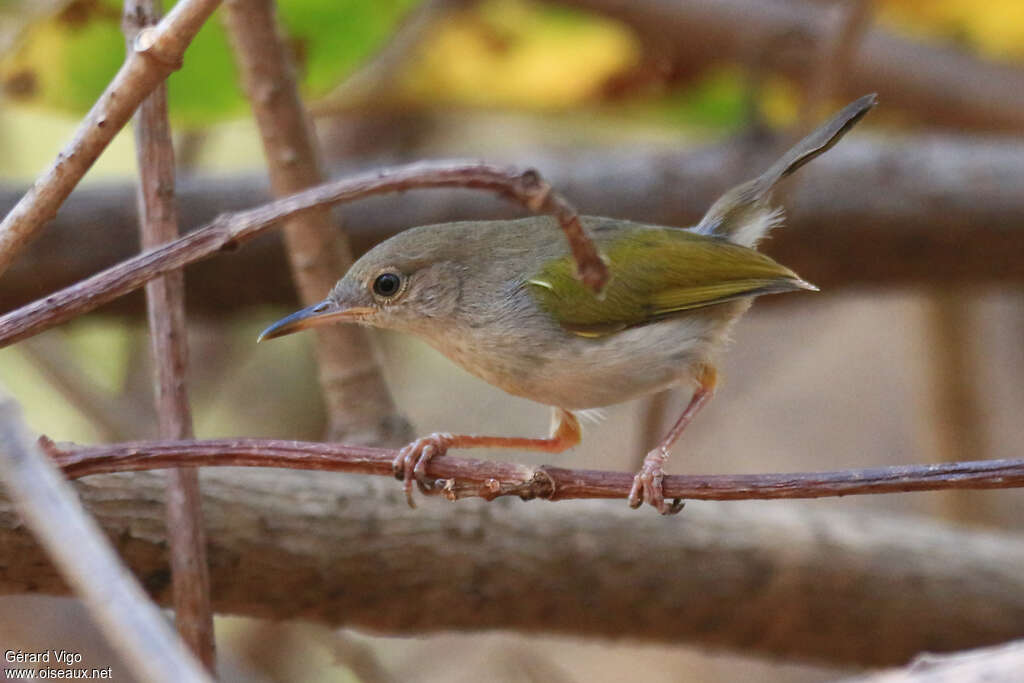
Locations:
(411, 462)
(647, 485)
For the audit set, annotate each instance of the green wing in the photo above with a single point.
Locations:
(657, 272)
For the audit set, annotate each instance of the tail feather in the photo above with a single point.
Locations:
(742, 214)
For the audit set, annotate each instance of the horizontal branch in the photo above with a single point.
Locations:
(463, 477)
(854, 587)
(899, 211)
(936, 84)
(228, 231)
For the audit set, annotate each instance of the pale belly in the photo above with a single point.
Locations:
(578, 373)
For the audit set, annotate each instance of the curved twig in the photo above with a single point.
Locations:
(228, 231)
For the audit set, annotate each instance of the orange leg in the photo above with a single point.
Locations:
(411, 462)
(647, 484)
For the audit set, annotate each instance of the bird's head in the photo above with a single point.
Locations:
(407, 283)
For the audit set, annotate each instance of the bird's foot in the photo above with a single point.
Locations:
(411, 462)
(647, 485)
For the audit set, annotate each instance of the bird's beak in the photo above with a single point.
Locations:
(326, 311)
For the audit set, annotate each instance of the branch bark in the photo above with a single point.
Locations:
(935, 84)
(872, 212)
(464, 477)
(165, 301)
(154, 56)
(359, 406)
(227, 232)
(47, 503)
(844, 586)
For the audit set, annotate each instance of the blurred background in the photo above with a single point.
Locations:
(645, 110)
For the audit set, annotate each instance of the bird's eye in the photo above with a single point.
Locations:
(387, 285)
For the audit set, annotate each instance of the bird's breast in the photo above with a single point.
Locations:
(558, 368)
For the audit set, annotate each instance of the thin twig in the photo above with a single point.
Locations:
(155, 55)
(336, 550)
(360, 407)
(165, 301)
(230, 230)
(85, 558)
(464, 477)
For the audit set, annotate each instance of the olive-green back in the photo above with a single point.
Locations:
(656, 272)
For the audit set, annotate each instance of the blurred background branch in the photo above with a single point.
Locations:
(876, 212)
(291, 544)
(359, 406)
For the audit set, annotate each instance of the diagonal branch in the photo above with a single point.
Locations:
(359, 406)
(464, 477)
(165, 300)
(156, 53)
(227, 232)
(84, 557)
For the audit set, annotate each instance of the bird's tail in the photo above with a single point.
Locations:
(742, 215)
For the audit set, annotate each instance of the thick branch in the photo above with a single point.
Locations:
(165, 301)
(156, 54)
(462, 477)
(890, 212)
(935, 84)
(227, 232)
(359, 406)
(76, 545)
(851, 587)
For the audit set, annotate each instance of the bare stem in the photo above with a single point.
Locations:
(359, 406)
(153, 56)
(166, 305)
(463, 477)
(85, 558)
(228, 231)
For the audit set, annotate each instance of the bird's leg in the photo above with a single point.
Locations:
(647, 482)
(411, 462)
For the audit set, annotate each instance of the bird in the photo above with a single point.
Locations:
(501, 299)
